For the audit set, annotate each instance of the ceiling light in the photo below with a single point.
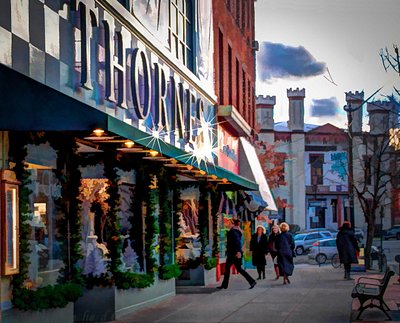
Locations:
(98, 132)
(153, 153)
(129, 144)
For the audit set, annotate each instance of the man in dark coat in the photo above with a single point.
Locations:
(347, 246)
(234, 255)
(258, 247)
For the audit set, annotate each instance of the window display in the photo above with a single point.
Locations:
(189, 245)
(45, 259)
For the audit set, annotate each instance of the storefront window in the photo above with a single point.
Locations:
(189, 245)
(46, 255)
(132, 260)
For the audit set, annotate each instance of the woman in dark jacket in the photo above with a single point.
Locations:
(258, 246)
(272, 238)
(285, 248)
(347, 246)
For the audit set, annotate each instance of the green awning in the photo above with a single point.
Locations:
(124, 130)
(28, 105)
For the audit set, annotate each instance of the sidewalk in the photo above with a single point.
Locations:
(316, 294)
(391, 297)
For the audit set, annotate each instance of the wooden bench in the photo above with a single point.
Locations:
(367, 292)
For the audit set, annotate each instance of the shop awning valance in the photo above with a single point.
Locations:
(28, 105)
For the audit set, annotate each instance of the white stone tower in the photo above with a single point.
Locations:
(296, 109)
(381, 117)
(265, 117)
(354, 101)
(265, 112)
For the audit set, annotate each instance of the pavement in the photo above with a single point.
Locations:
(316, 294)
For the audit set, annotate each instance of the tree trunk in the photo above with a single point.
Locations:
(368, 244)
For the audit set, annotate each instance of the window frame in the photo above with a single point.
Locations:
(8, 183)
(181, 34)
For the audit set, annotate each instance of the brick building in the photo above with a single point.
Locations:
(235, 59)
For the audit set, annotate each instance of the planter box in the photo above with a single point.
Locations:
(109, 303)
(54, 315)
(197, 277)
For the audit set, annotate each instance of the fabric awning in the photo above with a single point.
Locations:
(256, 202)
(250, 167)
(28, 105)
(124, 130)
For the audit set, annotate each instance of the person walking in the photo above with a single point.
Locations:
(272, 238)
(234, 255)
(347, 246)
(285, 249)
(258, 247)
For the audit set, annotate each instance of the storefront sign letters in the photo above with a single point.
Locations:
(170, 104)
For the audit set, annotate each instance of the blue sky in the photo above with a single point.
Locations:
(300, 40)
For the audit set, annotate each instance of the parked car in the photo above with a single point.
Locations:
(323, 250)
(332, 231)
(304, 241)
(393, 232)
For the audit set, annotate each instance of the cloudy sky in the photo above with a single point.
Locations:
(301, 40)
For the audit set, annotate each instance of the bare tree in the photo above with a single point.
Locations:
(374, 181)
(390, 61)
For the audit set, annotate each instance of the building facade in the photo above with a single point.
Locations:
(109, 149)
(318, 169)
(288, 139)
(234, 69)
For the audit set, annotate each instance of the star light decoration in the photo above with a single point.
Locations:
(203, 150)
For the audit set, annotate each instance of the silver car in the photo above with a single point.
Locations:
(323, 250)
(304, 241)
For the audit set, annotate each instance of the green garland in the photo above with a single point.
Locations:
(17, 153)
(112, 220)
(203, 218)
(177, 206)
(151, 227)
(67, 290)
(168, 269)
(215, 225)
(69, 176)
